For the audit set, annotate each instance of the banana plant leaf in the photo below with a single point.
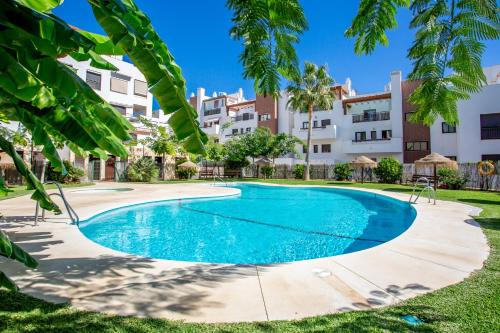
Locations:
(130, 29)
(33, 183)
(5, 282)
(10, 250)
(41, 5)
(3, 188)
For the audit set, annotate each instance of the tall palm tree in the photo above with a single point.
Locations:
(307, 91)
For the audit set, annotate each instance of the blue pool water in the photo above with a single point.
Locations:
(265, 224)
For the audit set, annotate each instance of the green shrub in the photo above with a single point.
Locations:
(234, 164)
(298, 171)
(389, 170)
(186, 173)
(73, 174)
(451, 179)
(142, 170)
(342, 171)
(267, 171)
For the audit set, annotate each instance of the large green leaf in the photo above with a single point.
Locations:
(41, 5)
(131, 29)
(33, 183)
(5, 282)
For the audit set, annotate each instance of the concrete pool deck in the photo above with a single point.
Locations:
(442, 247)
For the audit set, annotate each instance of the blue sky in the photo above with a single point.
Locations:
(196, 32)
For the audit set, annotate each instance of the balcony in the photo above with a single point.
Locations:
(328, 132)
(391, 145)
(243, 117)
(490, 133)
(374, 116)
(212, 130)
(211, 112)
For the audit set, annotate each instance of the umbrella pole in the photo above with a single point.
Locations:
(435, 178)
(362, 175)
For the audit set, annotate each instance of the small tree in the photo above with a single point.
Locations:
(215, 152)
(342, 171)
(282, 144)
(257, 143)
(236, 154)
(389, 170)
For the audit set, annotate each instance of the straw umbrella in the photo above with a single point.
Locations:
(363, 162)
(188, 165)
(436, 159)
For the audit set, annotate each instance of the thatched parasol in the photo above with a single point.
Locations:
(436, 159)
(188, 165)
(363, 162)
(263, 161)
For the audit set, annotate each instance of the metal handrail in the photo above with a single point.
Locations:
(71, 212)
(426, 188)
(218, 177)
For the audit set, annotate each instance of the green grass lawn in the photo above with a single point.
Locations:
(20, 190)
(470, 306)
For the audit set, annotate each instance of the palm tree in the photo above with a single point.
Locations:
(311, 89)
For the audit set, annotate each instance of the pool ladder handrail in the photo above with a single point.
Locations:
(218, 177)
(431, 193)
(71, 212)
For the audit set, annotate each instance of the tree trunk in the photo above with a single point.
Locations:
(164, 164)
(309, 134)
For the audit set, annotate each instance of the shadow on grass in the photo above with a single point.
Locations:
(19, 312)
(479, 201)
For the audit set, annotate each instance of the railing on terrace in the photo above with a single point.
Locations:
(242, 118)
(211, 112)
(376, 116)
(489, 133)
(371, 140)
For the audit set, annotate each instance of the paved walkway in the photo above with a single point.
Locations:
(442, 247)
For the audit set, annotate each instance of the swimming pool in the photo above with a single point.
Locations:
(263, 225)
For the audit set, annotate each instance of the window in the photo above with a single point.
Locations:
(242, 130)
(235, 131)
(491, 157)
(325, 122)
(304, 149)
(490, 126)
(120, 108)
(373, 135)
(417, 146)
(326, 148)
(387, 134)
(360, 136)
(140, 88)
(315, 149)
(315, 124)
(246, 116)
(93, 80)
(249, 129)
(370, 115)
(305, 125)
(408, 116)
(156, 114)
(447, 128)
(216, 103)
(119, 83)
(139, 110)
(264, 117)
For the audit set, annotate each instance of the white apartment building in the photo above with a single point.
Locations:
(369, 125)
(375, 125)
(477, 136)
(127, 91)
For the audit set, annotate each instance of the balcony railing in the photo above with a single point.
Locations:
(371, 140)
(314, 127)
(241, 118)
(211, 112)
(375, 116)
(490, 133)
